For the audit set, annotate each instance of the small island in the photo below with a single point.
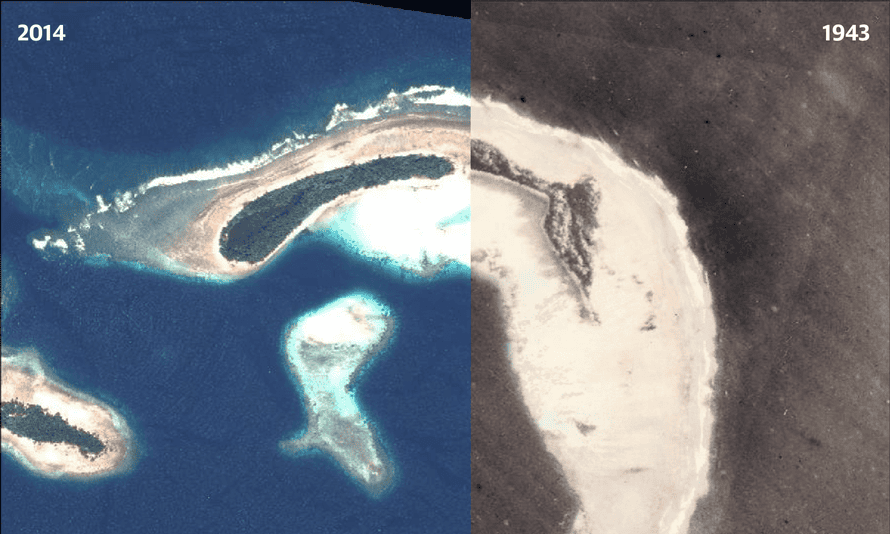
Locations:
(325, 351)
(56, 431)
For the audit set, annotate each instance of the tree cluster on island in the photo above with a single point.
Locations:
(571, 216)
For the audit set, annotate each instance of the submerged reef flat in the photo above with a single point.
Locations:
(56, 431)
(325, 351)
(622, 397)
(388, 188)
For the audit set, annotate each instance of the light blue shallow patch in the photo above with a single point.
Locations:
(460, 217)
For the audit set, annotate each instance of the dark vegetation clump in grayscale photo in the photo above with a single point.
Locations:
(266, 222)
(571, 217)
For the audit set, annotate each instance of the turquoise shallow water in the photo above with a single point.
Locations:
(195, 367)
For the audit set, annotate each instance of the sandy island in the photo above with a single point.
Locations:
(88, 439)
(197, 248)
(325, 352)
(621, 395)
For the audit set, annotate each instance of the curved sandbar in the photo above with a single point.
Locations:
(56, 431)
(621, 396)
(325, 352)
(197, 248)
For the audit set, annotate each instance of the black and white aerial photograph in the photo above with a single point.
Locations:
(679, 258)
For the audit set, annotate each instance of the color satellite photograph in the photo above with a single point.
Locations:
(236, 291)
(484, 267)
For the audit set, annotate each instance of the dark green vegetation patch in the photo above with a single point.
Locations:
(267, 221)
(33, 422)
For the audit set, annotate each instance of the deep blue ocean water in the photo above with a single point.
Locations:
(137, 91)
